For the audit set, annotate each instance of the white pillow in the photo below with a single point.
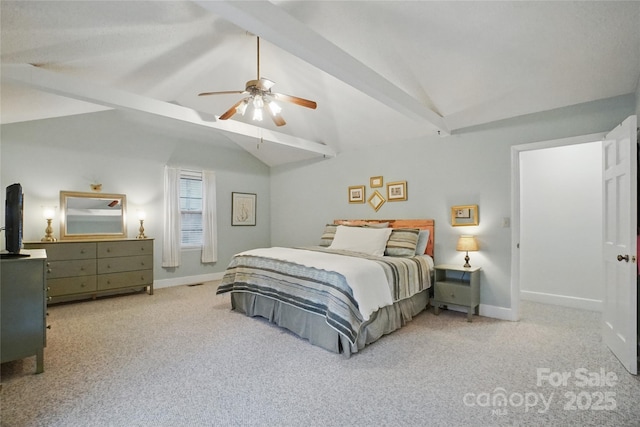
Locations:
(423, 240)
(370, 241)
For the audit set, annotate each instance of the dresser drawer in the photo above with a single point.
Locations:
(85, 267)
(452, 293)
(125, 248)
(66, 251)
(120, 264)
(71, 285)
(129, 279)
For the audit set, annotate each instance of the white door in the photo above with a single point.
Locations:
(620, 313)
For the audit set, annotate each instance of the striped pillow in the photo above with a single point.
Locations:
(329, 233)
(402, 242)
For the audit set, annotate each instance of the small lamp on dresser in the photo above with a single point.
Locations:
(141, 217)
(48, 212)
(466, 244)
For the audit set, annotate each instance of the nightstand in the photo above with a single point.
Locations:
(457, 285)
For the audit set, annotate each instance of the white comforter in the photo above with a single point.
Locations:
(365, 277)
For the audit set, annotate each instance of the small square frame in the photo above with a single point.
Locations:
(397, 191)
(356, 194)
(376, 182)
(243, 208)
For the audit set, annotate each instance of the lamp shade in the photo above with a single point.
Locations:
(467, 243)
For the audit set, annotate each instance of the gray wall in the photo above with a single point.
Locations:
(127, 154)
(469, 167)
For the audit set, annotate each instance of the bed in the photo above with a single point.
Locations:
(346, 292)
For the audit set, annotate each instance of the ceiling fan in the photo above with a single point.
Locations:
(260, 95)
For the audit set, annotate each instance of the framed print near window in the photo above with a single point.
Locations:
(397, 191)
(243, 209)
(375, 182)
(376, 200)
(356, 194)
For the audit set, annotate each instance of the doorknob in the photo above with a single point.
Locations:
(625, 258)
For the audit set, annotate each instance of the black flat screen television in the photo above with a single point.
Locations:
(14, 206)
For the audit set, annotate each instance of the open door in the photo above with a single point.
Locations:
(620, 310)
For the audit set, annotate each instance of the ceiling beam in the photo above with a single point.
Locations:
(51, 82)
(274, 24)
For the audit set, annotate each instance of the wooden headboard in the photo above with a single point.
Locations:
(422, 224)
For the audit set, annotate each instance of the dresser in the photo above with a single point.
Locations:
(23, 307)
(89, 268)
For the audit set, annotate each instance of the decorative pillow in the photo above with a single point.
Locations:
(377, 224)
(370, 241)
(402, 242)
(328, 234)
(423, 241)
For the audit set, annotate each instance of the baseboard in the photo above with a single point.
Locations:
(562, 300)
(495, 312)
(187, 280)
(502, 313)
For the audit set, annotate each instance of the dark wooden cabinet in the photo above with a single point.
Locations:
(23, 305)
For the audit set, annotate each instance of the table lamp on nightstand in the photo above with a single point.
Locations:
(466, 244)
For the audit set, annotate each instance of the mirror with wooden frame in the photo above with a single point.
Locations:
(92, 216)
(464, 215)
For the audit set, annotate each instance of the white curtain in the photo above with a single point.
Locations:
(171, 242)
(209, 219)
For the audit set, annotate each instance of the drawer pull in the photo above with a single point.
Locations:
(81, 251)
(82, 285)
(48, 270)
(108, 265)
(48, 326)
(453, 295)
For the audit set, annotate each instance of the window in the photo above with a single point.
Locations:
(191, 209)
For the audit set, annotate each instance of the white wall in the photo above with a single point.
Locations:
(127, 154)
(470, 167)
(638, 98)
(561, 225)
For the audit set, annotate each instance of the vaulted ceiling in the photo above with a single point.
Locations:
(380, 71)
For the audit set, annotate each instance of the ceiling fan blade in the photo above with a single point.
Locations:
(231, 111)
(277, 118)
(221, 93)
(294, 99)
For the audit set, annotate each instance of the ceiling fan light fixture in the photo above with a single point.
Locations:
(242, 108)
(275, 108)
(257, 114)
(258, 103)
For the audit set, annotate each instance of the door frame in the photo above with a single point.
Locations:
(515, 205)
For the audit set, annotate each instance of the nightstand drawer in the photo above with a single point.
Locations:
(447, 292)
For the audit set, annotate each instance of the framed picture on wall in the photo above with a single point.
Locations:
(375, 182)
(243, 209)
(356, 194)
(397, 191)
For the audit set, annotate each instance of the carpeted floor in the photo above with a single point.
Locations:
(182, 358)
